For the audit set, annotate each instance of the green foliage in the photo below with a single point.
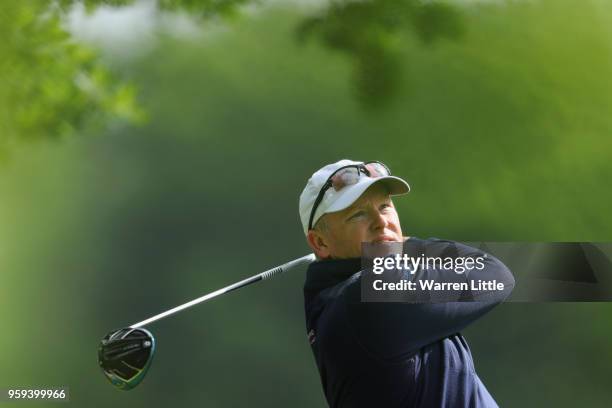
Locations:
(50, 84)
(371, 33)
(93, 4)
(204, 8)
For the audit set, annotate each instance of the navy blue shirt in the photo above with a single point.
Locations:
(395, 354)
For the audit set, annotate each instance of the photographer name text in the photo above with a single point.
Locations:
(429, 284)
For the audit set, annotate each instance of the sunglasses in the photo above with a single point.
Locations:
(346, 176)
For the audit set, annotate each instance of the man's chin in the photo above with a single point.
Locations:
(382, 248)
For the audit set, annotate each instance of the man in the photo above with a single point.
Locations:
(383, 354)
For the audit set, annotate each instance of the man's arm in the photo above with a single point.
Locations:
(397, 330)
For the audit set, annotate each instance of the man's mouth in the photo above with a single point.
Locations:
(384, 239)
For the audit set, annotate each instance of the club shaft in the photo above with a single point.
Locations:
(245, 282)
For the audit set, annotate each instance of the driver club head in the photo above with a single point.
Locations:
(125, 356)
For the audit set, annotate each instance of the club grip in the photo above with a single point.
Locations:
(284, 267)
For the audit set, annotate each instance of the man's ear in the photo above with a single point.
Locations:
(318, 243)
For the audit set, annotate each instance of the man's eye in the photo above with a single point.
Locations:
(356, 215)
(385, 206)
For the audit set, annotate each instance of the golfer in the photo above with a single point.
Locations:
(383, 354)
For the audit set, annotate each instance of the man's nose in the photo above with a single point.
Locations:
(380, 221)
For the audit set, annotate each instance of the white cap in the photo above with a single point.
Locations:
(339, 200)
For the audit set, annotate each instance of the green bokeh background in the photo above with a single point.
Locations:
(504, 133)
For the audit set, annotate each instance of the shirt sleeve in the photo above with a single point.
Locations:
(396, 330)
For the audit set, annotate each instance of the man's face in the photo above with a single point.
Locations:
(372, 218)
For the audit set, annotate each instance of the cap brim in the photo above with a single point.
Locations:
(349, 195)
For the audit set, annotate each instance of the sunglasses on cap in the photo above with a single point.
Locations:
(346, 176)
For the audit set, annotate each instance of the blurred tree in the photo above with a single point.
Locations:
(50, 84)
(369, 31)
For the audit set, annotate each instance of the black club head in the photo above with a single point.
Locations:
(125, 356)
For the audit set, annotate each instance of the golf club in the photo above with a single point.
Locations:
(125, 355)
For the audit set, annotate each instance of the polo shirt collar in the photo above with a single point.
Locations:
(329, 272)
